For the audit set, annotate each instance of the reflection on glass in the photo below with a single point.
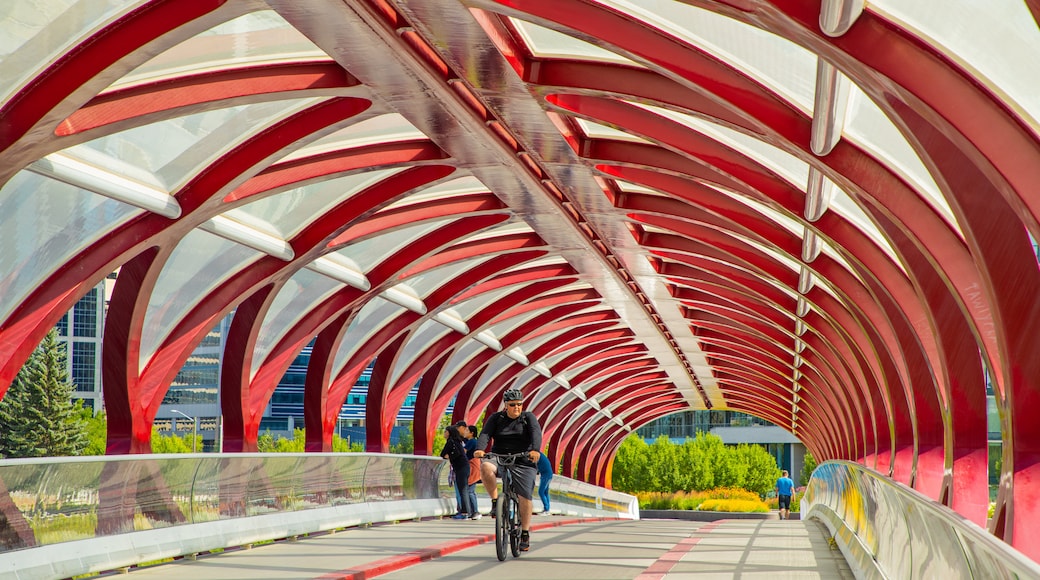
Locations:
(53, 501)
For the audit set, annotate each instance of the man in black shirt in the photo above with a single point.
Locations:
(512, 431)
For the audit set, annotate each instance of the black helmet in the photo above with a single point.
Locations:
(513, 395)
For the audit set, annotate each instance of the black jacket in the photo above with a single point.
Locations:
(511, 435)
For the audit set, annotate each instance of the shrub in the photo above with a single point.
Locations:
(733, 505)
(731, 493)
(796, 501)
(655, 500)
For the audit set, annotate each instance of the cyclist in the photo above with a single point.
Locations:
(512, 431)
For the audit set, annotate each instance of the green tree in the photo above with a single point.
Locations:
(96, 433)
(808, 466)
(762, 471)
(341, 445)
(629, 473)
(729, 470)
(172, 443)
(700, 474)
(405, 442)
(38, 415)
(713, 453)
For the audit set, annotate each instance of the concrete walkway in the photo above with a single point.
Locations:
(562, 548)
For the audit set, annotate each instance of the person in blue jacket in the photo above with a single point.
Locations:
(545, 475)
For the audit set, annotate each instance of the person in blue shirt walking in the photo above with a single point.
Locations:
(545, 475)
(784, 491)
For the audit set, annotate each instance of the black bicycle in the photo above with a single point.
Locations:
(507, 510)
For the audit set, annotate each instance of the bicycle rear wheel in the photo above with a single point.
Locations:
(501, 527)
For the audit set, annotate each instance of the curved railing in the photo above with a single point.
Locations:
(888, 530)
(60, 517)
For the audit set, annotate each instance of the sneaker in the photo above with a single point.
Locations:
(494, 504)
(525, 541)
(475, 517)
(459, 517)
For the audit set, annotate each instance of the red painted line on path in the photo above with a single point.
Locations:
(665, 563)
(394, 563)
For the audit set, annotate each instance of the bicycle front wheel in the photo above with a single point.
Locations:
(501, 527)
(514, 527)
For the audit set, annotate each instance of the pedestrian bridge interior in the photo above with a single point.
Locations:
(821, 213)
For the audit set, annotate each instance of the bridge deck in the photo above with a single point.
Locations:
(561, 548)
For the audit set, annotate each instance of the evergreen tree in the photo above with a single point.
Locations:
(37, 416)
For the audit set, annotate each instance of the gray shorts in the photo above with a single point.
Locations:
(523, 476)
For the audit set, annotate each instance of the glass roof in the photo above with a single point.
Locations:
(168, 153)
(999, 39)
(546, 43)
(456, 85)
(35, 33)
(285, 214)
(372, 316)
(45, 222)
(387, 128)
(369, 252)
(255, 38)
(783, 66)
(199, 264)
(871, 129)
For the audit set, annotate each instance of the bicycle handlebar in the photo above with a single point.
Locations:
(509, 458)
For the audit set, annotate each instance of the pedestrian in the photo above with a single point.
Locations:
(455, 452)
(545, 475)
(469, 439)
(784, 491)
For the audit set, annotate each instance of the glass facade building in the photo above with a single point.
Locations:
(80, 330)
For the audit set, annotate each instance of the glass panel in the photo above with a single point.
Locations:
(44, 223)
(784, 164)
(382, 129)
(33, 34)
(63, 325)
(597, 131)
(167, 154)
(784, 67)
(508, 325)
(794, 170)
(373, 316)
(788, 224)
(52, 501)
(869, 128)
(997, 38)
(462, 186)
(200, 263)
(468, 308)
(304, 291)
(84, 364)
(258, 37)
(371, 251)
(546, 43)
(843, 205)
(636, 188)
(421, 340)
(427, 282)
(286, 214)
(84, 318)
